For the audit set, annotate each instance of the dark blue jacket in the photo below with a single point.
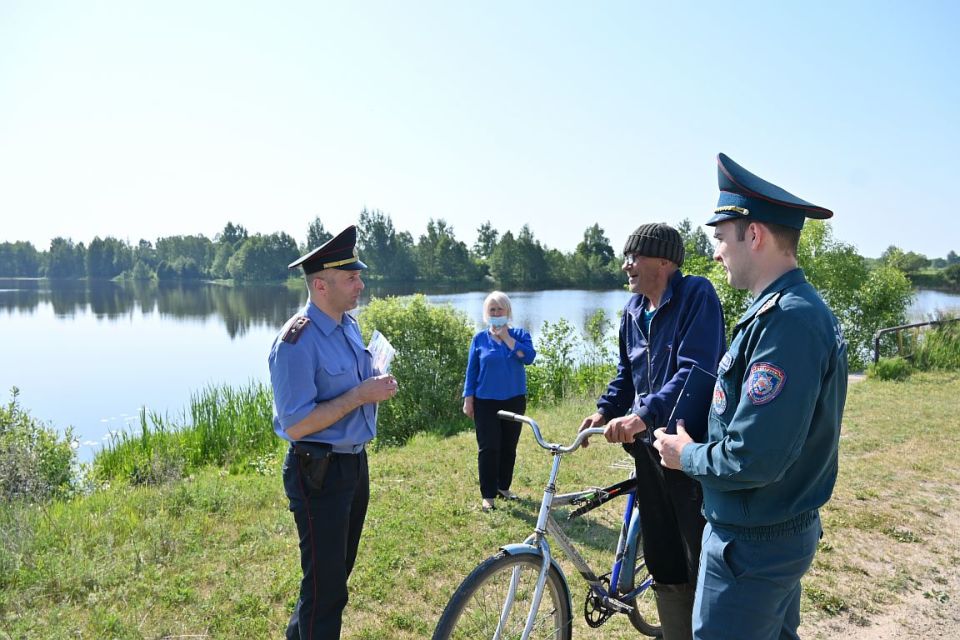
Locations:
(686, 329)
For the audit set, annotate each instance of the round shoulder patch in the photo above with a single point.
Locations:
(765, 382)
(719, 399)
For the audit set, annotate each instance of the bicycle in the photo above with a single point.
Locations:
(521, 592)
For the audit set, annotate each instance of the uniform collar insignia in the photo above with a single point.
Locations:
(769, 304)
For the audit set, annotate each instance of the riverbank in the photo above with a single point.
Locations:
(214, 555)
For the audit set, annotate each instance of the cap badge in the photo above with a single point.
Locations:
(730, 208)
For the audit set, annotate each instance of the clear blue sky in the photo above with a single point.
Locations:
(146, 119)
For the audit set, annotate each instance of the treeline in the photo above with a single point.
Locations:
(232, 253)
(936, 273)
(516, 261)
(437, 256)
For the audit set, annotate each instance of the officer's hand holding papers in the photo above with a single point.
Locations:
(382, 386)
(690, 412)
(669, 446)
(382, 352)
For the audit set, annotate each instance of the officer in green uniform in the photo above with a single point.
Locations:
(770, 457)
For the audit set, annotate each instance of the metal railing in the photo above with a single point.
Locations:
(882, 332)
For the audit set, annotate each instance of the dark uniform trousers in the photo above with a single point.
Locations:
(329, 521)
(671, 520)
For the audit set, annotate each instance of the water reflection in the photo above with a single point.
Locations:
(239, 308)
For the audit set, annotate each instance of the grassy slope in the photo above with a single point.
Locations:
(215, 555)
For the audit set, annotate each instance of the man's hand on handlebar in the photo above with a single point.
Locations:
(624, 429)
(595, 420)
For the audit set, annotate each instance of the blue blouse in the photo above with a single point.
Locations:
(495, 372)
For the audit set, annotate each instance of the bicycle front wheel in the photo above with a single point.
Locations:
(498, 594)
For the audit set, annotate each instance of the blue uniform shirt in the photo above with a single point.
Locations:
(774, 424)
(495, 372)
(326, 361)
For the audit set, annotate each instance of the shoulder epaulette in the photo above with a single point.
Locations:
(294, 329)
(769, 304)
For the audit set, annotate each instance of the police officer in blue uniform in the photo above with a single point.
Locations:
(325, 399)
(770, 458)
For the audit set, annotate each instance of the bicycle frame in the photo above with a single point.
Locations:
(537, 543)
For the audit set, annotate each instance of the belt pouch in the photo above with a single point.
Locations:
(314, 460)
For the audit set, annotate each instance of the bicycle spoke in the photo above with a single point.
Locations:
(501, 603)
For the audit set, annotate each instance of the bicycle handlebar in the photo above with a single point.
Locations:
(583, 435)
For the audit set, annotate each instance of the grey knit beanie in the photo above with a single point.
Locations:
(656, 240)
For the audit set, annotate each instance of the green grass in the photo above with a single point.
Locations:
(215, 553)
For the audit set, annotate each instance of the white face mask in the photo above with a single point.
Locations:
(499, 321)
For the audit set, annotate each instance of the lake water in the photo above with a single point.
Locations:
(90, 355)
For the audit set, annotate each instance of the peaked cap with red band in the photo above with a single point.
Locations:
(746, 196)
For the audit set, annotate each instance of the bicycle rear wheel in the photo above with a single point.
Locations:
(644, 616)
(477, 606)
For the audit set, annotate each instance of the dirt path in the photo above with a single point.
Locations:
(929, 610)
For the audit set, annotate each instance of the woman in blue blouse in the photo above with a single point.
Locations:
(496, 381)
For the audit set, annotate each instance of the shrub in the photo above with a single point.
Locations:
(570, 365)
(430, 364)
(550, 378)
(880, 301)
(889, 369)
(36, 462)
(599, 362)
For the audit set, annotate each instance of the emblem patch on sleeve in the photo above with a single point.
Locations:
(719, 399)
(765, 382)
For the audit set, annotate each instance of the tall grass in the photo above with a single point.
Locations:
(939, 348)
(230, 425)
(223, 426)
(933, 349)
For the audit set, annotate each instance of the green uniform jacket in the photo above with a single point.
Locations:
(770, 456)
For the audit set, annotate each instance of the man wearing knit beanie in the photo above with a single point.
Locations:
(656, 240)
(672, 324)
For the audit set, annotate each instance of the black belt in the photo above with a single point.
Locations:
(308, 448)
